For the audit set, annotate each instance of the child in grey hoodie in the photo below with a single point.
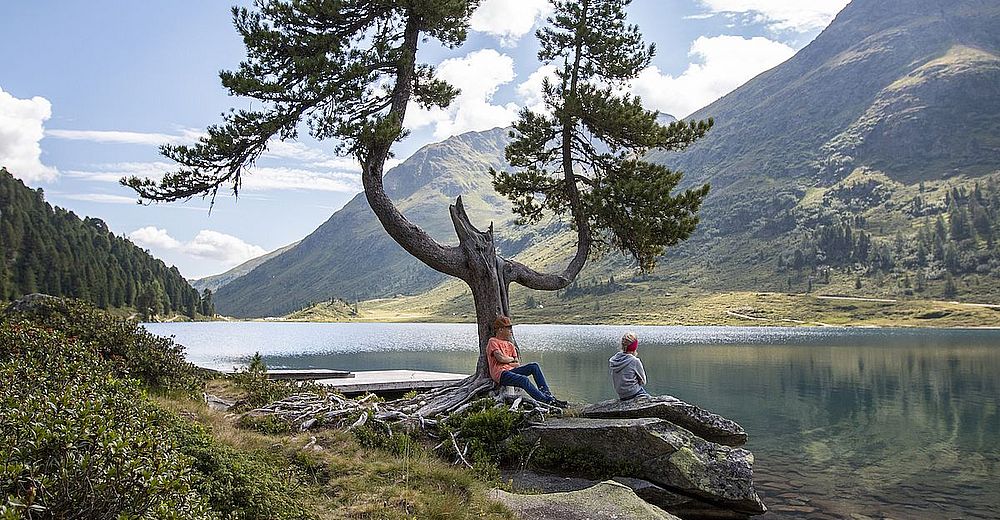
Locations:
(627, 374)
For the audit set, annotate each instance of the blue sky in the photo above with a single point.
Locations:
(88, 90)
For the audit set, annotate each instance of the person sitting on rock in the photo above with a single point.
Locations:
(625, 367)
(505, 367)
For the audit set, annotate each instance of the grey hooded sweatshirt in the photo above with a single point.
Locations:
(627, 374)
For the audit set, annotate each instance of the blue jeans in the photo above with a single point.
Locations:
(518, 377)
(642, 391)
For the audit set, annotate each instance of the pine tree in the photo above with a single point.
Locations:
(950, 291)
(583, 158)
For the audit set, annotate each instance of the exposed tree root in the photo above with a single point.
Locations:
(308, 410)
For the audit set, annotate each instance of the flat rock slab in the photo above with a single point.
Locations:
(660, 452)
(533, 482)
(705, 424)
(607, 500)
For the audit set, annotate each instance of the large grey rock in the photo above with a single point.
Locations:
(607, 500)
(30, 302)
(707, 425)
(683, 506)
(660, 452)
(533, 482)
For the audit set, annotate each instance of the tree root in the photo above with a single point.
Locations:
(423, 412)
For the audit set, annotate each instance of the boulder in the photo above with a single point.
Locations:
(604, 501)
(660, 452)
(705, 424)
(685, 507)
(30, 302)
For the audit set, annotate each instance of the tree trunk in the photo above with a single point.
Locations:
(487, 277)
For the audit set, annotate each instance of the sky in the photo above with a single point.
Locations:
(90, 90)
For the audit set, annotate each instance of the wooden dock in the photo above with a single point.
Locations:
(391, 381)
(310, 374)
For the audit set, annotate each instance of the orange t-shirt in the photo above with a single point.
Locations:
(506, 348)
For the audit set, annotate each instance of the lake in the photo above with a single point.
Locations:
(887, 423)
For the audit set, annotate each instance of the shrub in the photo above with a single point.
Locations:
(157, 362)
(489, 430)
(77, 439)
(82, 440)
(380, 436)
(237, 484)
(261, 391)
(266, 424)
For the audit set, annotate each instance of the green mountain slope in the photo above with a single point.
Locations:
(351, 257)
(50, 250)
(212, 283)
(830, 170)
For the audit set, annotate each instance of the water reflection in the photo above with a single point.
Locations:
(897, 423)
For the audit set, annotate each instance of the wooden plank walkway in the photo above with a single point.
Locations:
(309, 374)
(392, 381)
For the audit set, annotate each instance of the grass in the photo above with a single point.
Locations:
(340, 479)
(650, 303)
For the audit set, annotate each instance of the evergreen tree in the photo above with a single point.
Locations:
(582, 158)
(207, 307)
(51, 250)
(950, 291)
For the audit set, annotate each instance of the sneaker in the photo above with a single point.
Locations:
(559, 403)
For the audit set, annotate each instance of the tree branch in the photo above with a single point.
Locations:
(412, 238)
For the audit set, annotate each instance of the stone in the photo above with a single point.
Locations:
(660, 452)
(705, 424)
(30, 302)
(685, 507)
(221, 404)
(606, 500)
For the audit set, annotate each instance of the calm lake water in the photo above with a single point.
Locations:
(884, 423)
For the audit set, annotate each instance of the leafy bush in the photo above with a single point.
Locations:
(157, 362)
(379, 436)
(81, 439)
(237, 484)
(77, 439)
(261, 391)
(267, 424)
(489, 430)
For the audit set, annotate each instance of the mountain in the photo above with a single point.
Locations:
(865, 164)
(351, 257)
(889, 119)
(50, 250)
(212, 283)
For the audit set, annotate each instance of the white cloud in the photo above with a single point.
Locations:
(112, 172)
(104, 198)
(258, 178)
(280, 178)
(153, 238)
(479, 74)
(21, 129)
(207, 244)
(782, 15)
(294, 150)
(508, 20)
(276, 149)
(722, 63)
(530, 90)
(118, 137)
